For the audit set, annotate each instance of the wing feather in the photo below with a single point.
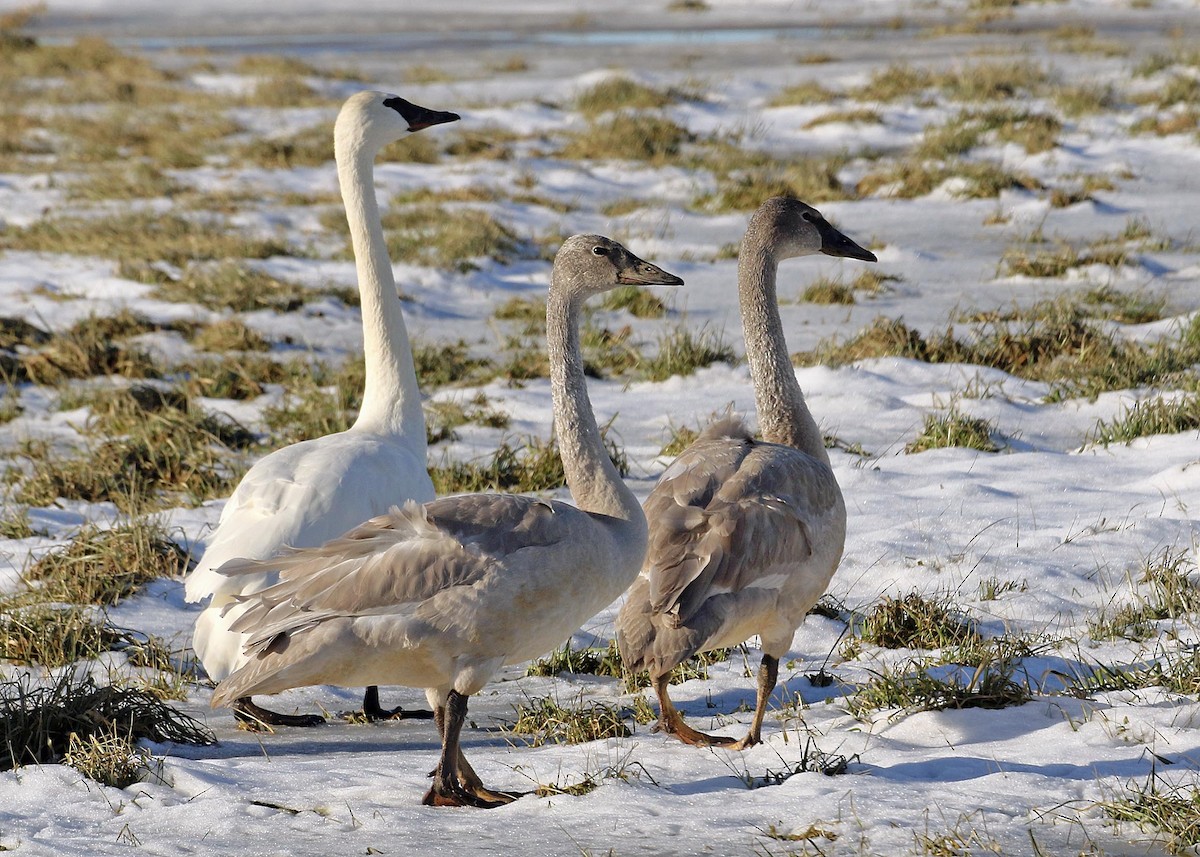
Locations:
(395, 562)
(736, 514)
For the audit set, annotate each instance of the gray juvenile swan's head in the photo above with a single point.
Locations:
(793, 228)
(590, 264)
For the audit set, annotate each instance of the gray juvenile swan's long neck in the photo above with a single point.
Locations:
(391, 399)
(783, 416)
(595, 484)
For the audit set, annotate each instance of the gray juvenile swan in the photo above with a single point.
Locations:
(744, 534)
(306, 493)
(441, 595)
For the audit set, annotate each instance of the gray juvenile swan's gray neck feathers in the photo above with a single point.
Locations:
(782, 228)
(595, 484)
(783, 416)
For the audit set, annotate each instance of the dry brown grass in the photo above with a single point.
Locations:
(104, 566)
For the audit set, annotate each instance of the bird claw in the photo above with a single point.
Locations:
(745, 743)
(443, 794)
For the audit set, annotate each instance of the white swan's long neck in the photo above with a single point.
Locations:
(595, 484)
(783, 416)
(391, 400)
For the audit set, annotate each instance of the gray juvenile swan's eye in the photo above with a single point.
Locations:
(600, 251)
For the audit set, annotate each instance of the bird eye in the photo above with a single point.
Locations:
(807, 215)
(600, 251)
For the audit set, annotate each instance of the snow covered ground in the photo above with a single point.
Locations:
(1056, 528)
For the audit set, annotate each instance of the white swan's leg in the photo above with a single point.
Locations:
(373, 711)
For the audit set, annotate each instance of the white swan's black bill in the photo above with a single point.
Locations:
(419, 117)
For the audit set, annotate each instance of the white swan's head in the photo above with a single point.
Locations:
(589, 264)
(789, 228)
(371, 120)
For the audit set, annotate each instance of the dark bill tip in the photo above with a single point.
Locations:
(645, 274)
(834, 243)
(419, 117)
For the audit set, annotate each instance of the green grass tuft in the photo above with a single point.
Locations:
(227, 285)
(953, 429)
(1164, 590)
(155, 450)
(138, 238)
(915, 622)
(920, 688)
(804, 93)
(451, 239)
(637, 301)
(1149, 417)
(535, 466)
(682, 351)
(91, 347)
(1169, 812)
(543, 720)
(619, 93)
(824, 290)
(627, 137)
(52, 635)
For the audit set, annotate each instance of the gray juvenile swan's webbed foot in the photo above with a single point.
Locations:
(455, 782)
(374, 712)
(246, 712)
(671, 722)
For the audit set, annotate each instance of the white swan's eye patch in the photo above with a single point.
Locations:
(600, 251)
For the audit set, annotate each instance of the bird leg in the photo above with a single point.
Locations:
(768, 675)
(373, 711)
(255, 716)
(671, 721)
(455, 782)
(466, 774)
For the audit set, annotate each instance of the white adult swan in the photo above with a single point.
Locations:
(442, 595)
(744, 535)
(309, 492)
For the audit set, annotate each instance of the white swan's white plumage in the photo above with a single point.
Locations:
(441, 595)
(744, 534)
(307, 493)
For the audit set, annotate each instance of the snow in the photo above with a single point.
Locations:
(1070, 523)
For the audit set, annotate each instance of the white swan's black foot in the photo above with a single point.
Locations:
(253, 716)
(372, 711)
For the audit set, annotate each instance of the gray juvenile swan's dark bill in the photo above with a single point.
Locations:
(834, 243)
(642, 273)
